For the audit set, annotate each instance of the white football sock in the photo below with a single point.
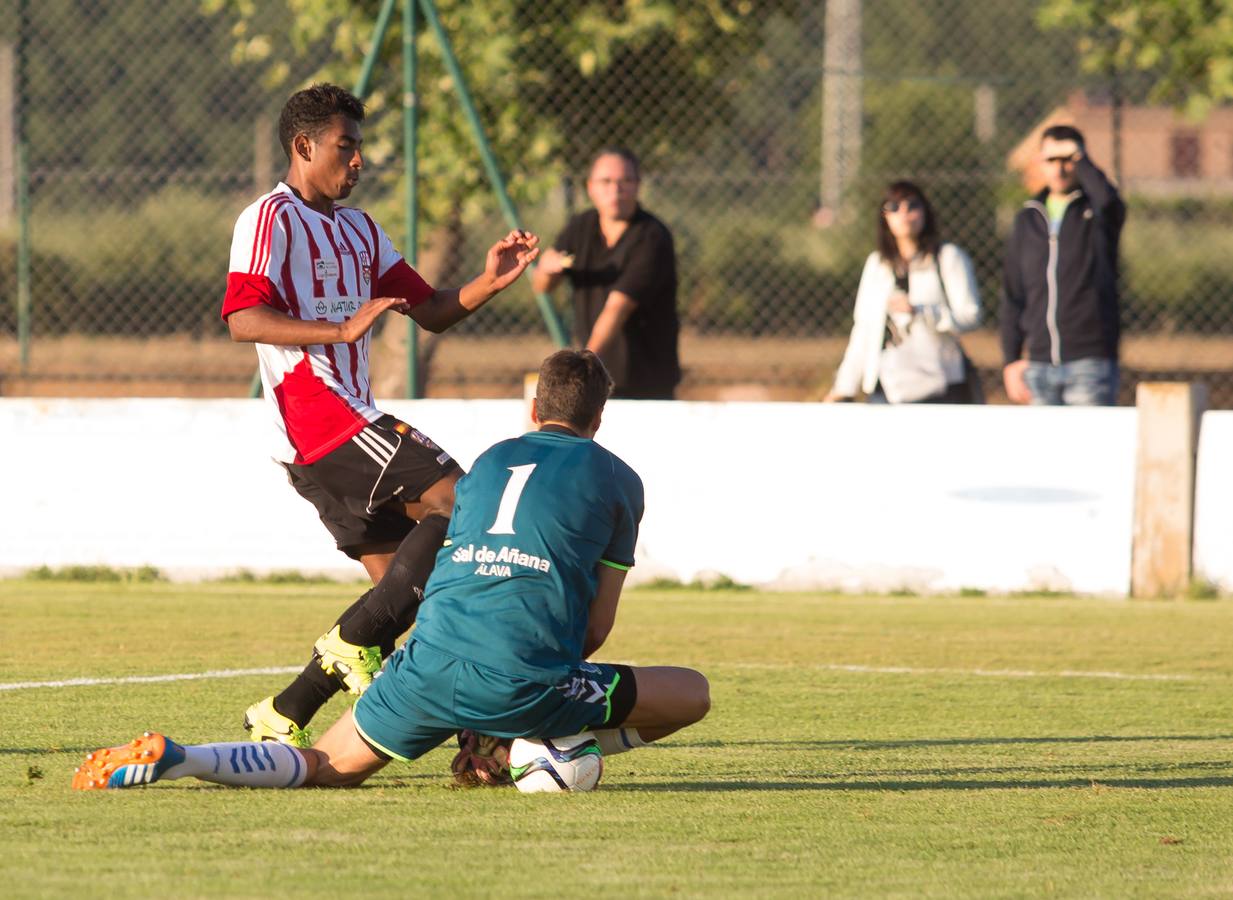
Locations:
(266, 764)
(618, 740)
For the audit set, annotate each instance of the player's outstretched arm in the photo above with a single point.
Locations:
(262, 325)
(507, 259)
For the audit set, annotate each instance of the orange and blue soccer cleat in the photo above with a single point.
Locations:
(141, 761)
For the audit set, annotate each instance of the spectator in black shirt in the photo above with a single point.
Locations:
(621, 266)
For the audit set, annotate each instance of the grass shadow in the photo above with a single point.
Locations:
(858, 744)
(937, 784)
(44, 751)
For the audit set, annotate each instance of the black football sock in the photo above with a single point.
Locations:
(312, 688)
(350, 610)
(374, 620)
(390, 607)
(310, 691)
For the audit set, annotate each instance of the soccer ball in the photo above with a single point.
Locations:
(558, 764)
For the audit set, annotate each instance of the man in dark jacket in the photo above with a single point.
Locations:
(1059, 288)
(621, 265)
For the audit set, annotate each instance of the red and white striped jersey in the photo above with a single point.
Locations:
(288, 256)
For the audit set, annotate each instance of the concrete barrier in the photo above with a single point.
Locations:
(783, 495)
(1213, 512)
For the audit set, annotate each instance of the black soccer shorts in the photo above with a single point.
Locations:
(358, 487)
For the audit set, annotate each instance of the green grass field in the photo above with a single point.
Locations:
(888, 746)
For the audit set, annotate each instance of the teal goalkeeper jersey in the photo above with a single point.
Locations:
(533, 520)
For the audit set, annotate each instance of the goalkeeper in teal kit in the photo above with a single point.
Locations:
(524, 590)
(499, 648)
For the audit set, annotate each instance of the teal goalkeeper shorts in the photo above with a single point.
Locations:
(424, 696)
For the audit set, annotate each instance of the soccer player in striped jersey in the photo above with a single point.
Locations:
(526, 591)
(308, 280)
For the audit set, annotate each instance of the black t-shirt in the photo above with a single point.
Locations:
(643, 266)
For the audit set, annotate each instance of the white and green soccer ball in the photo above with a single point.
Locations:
(552, 765)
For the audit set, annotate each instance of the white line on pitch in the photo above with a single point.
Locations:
(149, 679)
(977, 673)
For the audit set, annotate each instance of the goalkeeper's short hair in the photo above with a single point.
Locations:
(573, 387)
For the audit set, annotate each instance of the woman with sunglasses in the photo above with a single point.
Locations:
(912, 280)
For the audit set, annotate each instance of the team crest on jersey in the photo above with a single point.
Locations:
(325, 268)
(366, 266)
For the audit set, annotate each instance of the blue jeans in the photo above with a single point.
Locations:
(1082, 382)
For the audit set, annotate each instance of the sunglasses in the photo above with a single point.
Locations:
(891, 206)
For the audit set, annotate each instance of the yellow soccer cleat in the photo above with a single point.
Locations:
(264, 723)
(355, 666)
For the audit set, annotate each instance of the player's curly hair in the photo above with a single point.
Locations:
(309, 112)
(573, 387)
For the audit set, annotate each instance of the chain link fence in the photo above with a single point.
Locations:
(766, 130)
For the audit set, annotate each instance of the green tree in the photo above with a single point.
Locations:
(554, 80)
(924, 63)
(119, 88)
(1187, 45)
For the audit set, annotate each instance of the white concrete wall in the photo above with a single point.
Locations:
(1213, 512)
(784, 495)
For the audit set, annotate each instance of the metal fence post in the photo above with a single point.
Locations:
(410, 154)
(23, 256)
(374, 49)
(8, 133)
(547, 310)
(23, 190)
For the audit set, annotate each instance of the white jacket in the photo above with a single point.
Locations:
(859, 369)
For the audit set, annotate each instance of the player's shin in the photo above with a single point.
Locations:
(243, 764)
(300, 700)
(153, 757)
(618, 740)
(304, 696)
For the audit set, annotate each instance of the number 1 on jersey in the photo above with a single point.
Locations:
(518, 477)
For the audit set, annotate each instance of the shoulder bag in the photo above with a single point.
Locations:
(911, 368)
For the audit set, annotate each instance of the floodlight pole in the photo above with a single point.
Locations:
(547, 310)
(841, 102)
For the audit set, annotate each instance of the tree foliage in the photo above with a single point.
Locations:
(554, 80)
(1187, 45)
(111, 87)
